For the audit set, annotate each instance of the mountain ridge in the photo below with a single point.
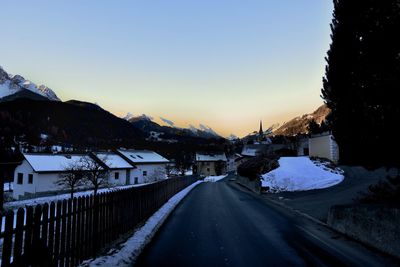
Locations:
(13, 86)
(299, 124)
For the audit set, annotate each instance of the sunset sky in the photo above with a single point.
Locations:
(223, 63)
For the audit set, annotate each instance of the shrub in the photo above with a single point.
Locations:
(385, 192)
(254, 167)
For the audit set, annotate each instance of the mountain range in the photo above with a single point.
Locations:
(28, 112)
(16, 86)
(147, 124)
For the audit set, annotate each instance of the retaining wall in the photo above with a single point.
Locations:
(376, 226)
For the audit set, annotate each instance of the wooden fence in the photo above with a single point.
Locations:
(67, 232)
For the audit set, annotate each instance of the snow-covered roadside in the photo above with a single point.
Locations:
(41, 200)
(300, 174)
(214, 178)
(128, 252)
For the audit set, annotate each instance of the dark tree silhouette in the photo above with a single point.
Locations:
(315, 128)
(362, 81)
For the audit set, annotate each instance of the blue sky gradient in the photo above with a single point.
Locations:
(224, 63)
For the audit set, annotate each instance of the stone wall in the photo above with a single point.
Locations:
(254, 185)
(376, 226)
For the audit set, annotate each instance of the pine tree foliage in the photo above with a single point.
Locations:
(362, 81)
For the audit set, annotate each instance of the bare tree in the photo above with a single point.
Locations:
(95, 174)
(169, 170)
(157, 174)
(72, 178)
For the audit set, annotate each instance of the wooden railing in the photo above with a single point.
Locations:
(64, 233)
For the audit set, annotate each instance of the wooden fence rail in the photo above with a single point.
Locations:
(69, 231)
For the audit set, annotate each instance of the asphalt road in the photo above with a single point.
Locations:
(221, 224)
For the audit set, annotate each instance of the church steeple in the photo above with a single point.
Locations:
(261, 132)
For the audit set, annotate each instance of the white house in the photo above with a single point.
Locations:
(211, 164)
(150, 166)
(38, 173)
(324, 146)
(121, 171)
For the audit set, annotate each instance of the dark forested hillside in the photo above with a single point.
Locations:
(74, 122)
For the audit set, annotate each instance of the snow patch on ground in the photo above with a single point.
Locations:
(214, 178)
(300, 174)
(128, 252)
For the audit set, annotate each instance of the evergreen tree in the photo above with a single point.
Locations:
(362, 81)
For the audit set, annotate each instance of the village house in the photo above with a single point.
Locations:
(121, 172)
(211, 164)
(38, 173)
(150, 166)
(324, 146)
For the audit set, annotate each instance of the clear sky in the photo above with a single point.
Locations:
(223, 63)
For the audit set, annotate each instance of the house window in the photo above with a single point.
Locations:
(144, 173)
(208, 169)
(136, 180)
(20, 178)
(30, 178)
(116, 175)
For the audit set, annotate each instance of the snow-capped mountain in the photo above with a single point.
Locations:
(14, 86)
(232, 137)
(131, 117)
(167, 121)
(166, 125)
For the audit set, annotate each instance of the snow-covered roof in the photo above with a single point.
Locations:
(113, 160)
(52, 162)
(143, 156)
(210, 157)
(249, 152)
(254, 150)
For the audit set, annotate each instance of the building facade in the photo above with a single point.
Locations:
(39, 174)
(150, 166)
(211, 164)
(324, 146)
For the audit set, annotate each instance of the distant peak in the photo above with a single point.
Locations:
(13, 84)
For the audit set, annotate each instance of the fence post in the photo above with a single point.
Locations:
(95, 243)
(63, 232)
(28, 234)
(57, 233)
(19, 236)
(74, 261)
(7, 242)
(52, 220)
(69, 226)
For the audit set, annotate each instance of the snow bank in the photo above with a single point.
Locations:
(214, 178)
(300, 174)
(128, 252)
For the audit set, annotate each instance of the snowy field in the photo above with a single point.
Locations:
(214, 178)
(300, 174)
(126, 253)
